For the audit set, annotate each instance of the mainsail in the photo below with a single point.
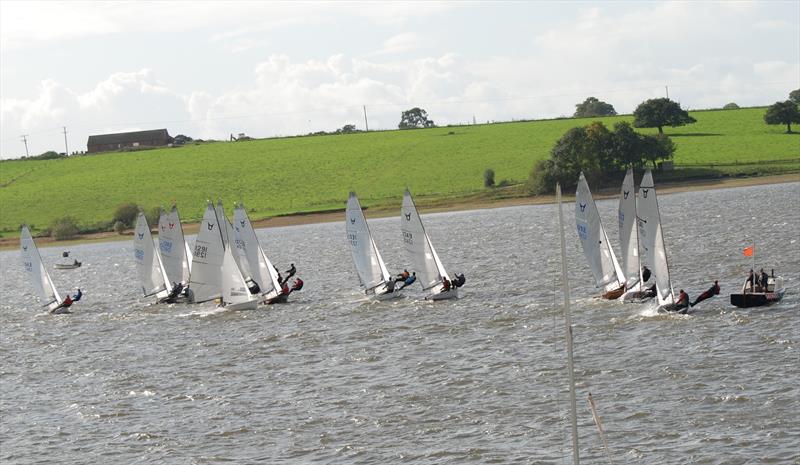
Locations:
(234, 288)
(152, 277)
(254, 260)
(175, 254)
(206, 278)
(653, 238)
(629, 234)
(371, 270)
(596, 247)
(32, 262)
(427, 265)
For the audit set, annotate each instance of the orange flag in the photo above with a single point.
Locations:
(748, 251)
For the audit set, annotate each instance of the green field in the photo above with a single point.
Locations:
(303, 174)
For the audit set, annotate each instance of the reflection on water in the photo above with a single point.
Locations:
(332, 377)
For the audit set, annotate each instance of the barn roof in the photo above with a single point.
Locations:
(129, 137)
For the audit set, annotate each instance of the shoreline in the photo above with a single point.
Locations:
(456, 204)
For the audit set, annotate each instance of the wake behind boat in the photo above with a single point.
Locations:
(430, 271)
(372, 272)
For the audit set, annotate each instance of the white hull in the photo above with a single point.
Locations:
(385, 296)
(443, 295)
(249, 305)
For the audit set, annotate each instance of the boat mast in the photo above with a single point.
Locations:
(568, 324)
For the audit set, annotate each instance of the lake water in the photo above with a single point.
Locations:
(334, 378)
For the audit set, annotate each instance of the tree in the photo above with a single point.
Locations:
(488, 178)
(126, 214)
(794, 96)
(180, 139)
(730, 106)
(593, 107)
(347, 129)
(415, 118)
(660, 112)
(783, 113)
(64, 228)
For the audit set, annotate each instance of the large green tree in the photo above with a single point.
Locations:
(415, 118)
(794, 96)
(660, 112)
(592, 107)
(783, 113)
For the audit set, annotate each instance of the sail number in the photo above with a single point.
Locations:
(582, 232)
(28, 266)
(200, 251)
(408, 238)
(139, 254)
(353, 239)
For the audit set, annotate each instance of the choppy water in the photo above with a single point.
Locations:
(332, 378)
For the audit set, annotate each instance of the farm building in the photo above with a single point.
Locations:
(119, 141)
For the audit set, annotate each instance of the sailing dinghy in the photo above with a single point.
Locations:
(254, 261)
(37, 273)
(205, 282)
(653, 241)
(235, 292)
(596, 247)
(635, 289)
(152, 277)
(175, 253)
(372, 272)
(429, 269)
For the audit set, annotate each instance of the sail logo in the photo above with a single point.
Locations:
(172, 226)
(625, 194)
(241, 222)
(408, 216)
(352, 221)
(644, 192)
(141, 235)
(24, 247)
(210, 226)
(583, 232)
(165, 245)
(583, 206)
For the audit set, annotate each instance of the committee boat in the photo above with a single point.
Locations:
(67, 264)
(596, 247)
(372, 273)
(429, 269)
(757, 296)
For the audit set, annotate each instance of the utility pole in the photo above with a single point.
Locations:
(666, 88)
(66, 148)
(25, 141)
(366, 123)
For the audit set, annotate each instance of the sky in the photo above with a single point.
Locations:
(209, 69)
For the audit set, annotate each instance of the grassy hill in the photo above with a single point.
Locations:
(303, 174)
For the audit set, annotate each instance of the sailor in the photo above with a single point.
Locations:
(285, 289)
(711, 292)
(445, 284)
(645, 273)
(650, 291)
(409, 281)
(252, 286)
(402, 276)
(682, 305)
(297, 285)
(174, 293)
(290, 272)
(65, 304)
(459, 280)
(390, 285)
(764, 281)
(750, 279)
(77, 295)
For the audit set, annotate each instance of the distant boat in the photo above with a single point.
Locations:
(629, 242)
(596, 246)
(37, 273)
(372, 272)
(175, 253)
(67, 265)
(427, 265)
(254, 261)
(205, 282)
(653, 242)
(152, 277)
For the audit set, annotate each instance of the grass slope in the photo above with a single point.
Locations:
(302, 174)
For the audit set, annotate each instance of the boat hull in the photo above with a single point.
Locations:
(279, 299)
(614, 293)
(249, 305)
(385, 296)
(443, 295)
(756, 299)
(637, 296)
(70, 266)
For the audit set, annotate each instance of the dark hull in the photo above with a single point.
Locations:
(755, 299)
(614, 294)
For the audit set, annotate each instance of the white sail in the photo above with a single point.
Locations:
(629, 234)
(371, 270)
(596, 247)
(175, 254)
(653, 239)
(234, 288)
(205, 281)
(37, 272)
(152, 277)
(259, 267)
(427, 265)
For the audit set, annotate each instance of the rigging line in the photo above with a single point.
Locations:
(555, 351)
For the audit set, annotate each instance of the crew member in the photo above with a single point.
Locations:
(711, 292)
(409, 281)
